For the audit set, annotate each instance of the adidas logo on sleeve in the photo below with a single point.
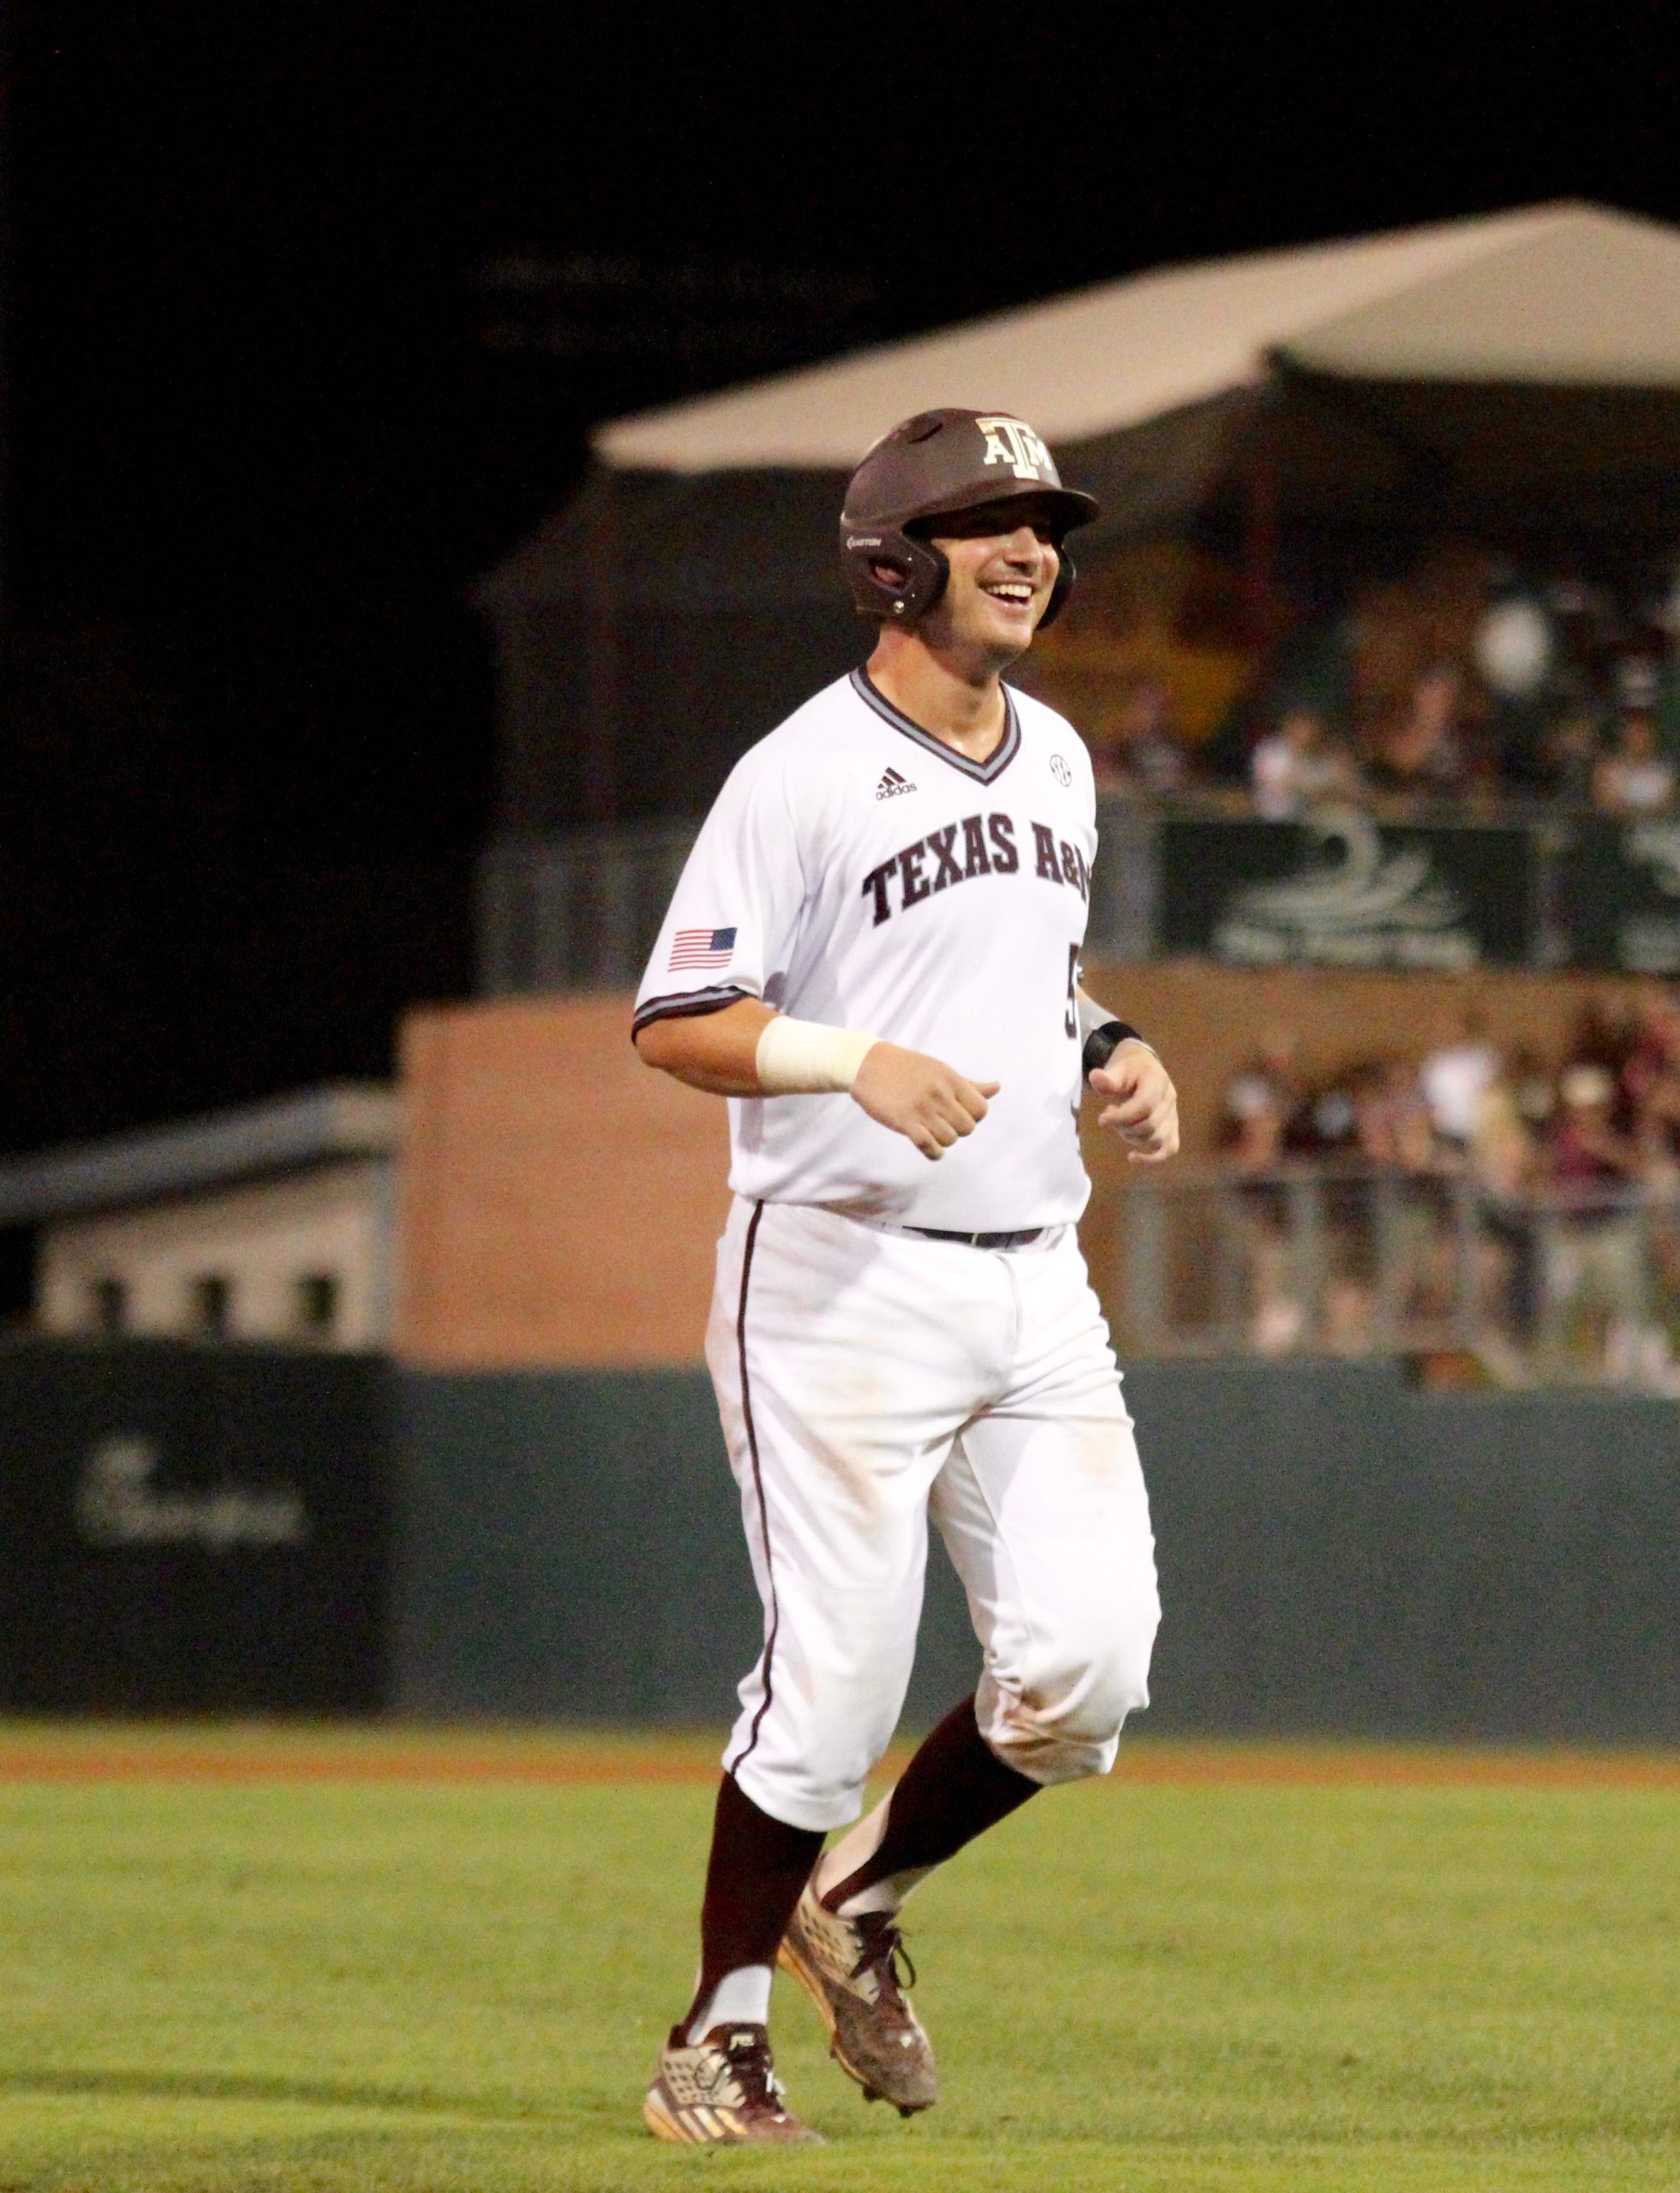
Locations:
(892, 784)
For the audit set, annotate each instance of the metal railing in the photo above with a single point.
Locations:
(1441, 888)
(582, 913)
(1541, 1289)
(579, 913)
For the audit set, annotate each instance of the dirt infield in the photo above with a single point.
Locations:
(261, 1751)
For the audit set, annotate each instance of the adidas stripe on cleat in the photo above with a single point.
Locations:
(722, 2093)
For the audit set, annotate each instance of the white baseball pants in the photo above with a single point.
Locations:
(867, 1378)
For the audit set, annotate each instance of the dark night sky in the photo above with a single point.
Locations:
(259, 442)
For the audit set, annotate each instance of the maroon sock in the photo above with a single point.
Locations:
(955, 1787)
(753, 1879)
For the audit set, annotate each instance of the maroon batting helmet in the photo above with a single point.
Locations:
(933, 466)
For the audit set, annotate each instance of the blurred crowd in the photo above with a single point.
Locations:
(1465, 676)
(1520, 1194)
(1608, 1116)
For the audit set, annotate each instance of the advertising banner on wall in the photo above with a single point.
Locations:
(192, 1529)
(1622, 894)
(1341, 889)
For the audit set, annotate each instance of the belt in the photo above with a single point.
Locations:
(1018, 1240)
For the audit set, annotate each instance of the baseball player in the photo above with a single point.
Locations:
(874, 954)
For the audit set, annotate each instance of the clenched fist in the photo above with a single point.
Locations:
(922, 1098)
(1143, 1109)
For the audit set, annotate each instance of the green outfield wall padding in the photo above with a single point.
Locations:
(1339, 1552)
(192, 1529)
(571, 1545)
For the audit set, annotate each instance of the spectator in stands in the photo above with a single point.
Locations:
(1455, 1080)
(1534, 1092)
(1638, 677)
(1392, 1127)
(1470, 673)
(1634, 778)
(1650, 1092)
(1298, 765)
(1252, 1136)
(1425, 750)
(1265, 1105)
(1500, 1148)
(1375, 1116)
(1587, 1152)
(1653, 1042)
(1649, 1082)
(1260, 1104)
(1515, 644)
(1139, 751)
(1594, 1258)
(1501, 1154)
(1328, 1126)
(1518, 654)
(1567, 754)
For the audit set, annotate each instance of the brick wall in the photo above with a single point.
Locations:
(560, 1202)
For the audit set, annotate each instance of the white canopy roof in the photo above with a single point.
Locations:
(1569, 294)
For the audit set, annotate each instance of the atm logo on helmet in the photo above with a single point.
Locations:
(1012, 442)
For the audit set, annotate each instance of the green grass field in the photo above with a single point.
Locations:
(456, 1984)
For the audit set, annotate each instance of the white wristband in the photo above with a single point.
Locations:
(804, 1058)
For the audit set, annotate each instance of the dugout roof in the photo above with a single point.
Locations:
(1520, 369)
(284, 1134)
(1569, 295)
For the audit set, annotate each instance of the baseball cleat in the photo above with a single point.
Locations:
(722, 2093)
(850, 1969)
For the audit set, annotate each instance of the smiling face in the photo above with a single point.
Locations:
(1004, 562)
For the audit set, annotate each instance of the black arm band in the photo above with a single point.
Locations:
(1101, 1043)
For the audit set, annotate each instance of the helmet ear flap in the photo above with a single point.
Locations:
(1060, 592)
(930, 576)
(926, 574)
(924, 568)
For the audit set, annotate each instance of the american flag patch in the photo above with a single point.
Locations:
(702, 947)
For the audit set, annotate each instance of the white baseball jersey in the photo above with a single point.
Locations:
(856, 870)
